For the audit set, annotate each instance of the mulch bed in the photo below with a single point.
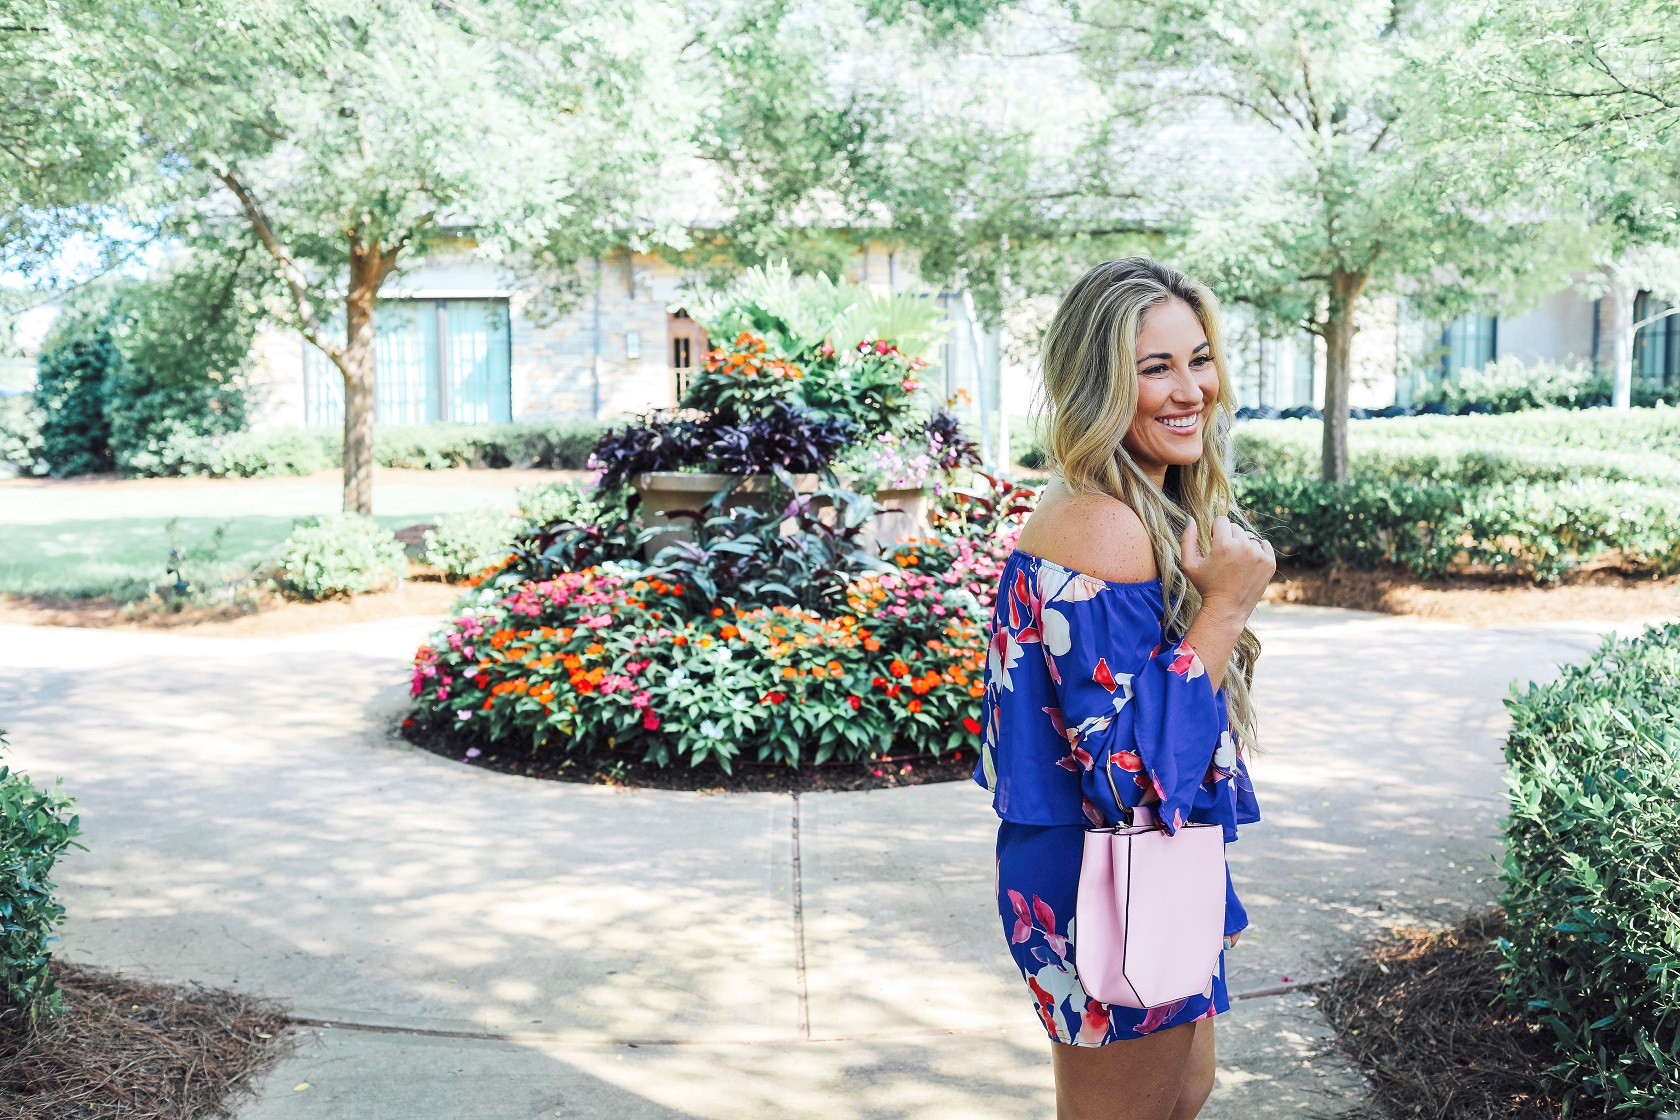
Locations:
(1602, 593)
(1421, 1017)
(130, 1049)
(889, 772)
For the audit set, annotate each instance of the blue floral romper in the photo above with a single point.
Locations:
(1082, 684)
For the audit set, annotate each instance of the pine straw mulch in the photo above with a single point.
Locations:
(890, 772)
(1602, 593)
(1420, 1016)
(264, 616)
(134, 1050)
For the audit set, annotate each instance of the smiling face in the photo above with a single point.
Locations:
(1178, 386)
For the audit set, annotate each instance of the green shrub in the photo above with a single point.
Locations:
(563, 445)
(1452, 450)
(20, 436)
(1591, 883)
(299, 451)
(1541, 530)
(1507, 385)
(1645, 430)
(346, 554)
(561, 503)
(70, 394)
(36, 827)
(271, 454)
(464, 544)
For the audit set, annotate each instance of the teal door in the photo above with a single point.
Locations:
(433, 360)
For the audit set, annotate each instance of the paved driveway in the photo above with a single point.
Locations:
(492, 947)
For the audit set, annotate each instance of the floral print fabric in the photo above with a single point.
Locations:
(1090, 706)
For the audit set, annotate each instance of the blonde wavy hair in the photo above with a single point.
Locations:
(1088, 400)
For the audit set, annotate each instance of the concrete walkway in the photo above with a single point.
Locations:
(498, 948)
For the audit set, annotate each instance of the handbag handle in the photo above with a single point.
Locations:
(1126, 815)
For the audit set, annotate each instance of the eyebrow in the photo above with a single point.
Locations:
(1151, 357)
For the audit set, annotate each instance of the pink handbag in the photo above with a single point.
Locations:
(1151, 911)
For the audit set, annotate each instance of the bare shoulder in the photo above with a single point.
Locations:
(1090, 533)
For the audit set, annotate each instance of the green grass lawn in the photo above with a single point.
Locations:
(84, 540)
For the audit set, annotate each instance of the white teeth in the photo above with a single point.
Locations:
(1179, 422)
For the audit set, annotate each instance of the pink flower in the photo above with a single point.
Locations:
(650, 722)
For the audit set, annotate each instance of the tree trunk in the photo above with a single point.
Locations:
(1618, 337)
(369, 265)
(1338, 331)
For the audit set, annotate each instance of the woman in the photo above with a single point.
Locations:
(1135, 579)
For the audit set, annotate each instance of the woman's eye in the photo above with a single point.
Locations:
(1152, 371)
(1202, 360)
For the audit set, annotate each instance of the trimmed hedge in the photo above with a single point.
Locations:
(563, 445)
(1468, 450)
(1537, 530)
(1591, 882)
(36, 827)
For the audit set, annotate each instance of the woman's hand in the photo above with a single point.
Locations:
(1234, 572)
(1231, 576)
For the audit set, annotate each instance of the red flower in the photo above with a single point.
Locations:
(972, 724)
(650, 722)
(855, 701)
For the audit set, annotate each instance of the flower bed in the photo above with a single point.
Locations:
(615, 659)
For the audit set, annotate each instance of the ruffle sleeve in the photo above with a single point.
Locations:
(1156, 730)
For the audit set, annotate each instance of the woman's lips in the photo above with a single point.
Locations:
(1187, 425)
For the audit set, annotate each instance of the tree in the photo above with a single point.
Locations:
(66, 154)
(1354, 181)
(1593, 88)
(349, 137)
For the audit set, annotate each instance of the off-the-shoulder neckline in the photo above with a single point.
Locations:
(1143, 583)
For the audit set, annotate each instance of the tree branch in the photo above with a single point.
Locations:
(295, 280)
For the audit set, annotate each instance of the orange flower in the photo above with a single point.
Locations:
(976, 691)
(595, 648)
(818, 671)
(729, 632)
(789, 672)
(679, 640)
(834, 667)
(898, 668)
(717, 612)
(915, 705)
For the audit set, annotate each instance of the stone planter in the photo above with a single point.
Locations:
(903, 511)
(665, 491)
(904, 514)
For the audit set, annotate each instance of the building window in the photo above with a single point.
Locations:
(1656, 346)
(434, 360)
(1469, 342)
